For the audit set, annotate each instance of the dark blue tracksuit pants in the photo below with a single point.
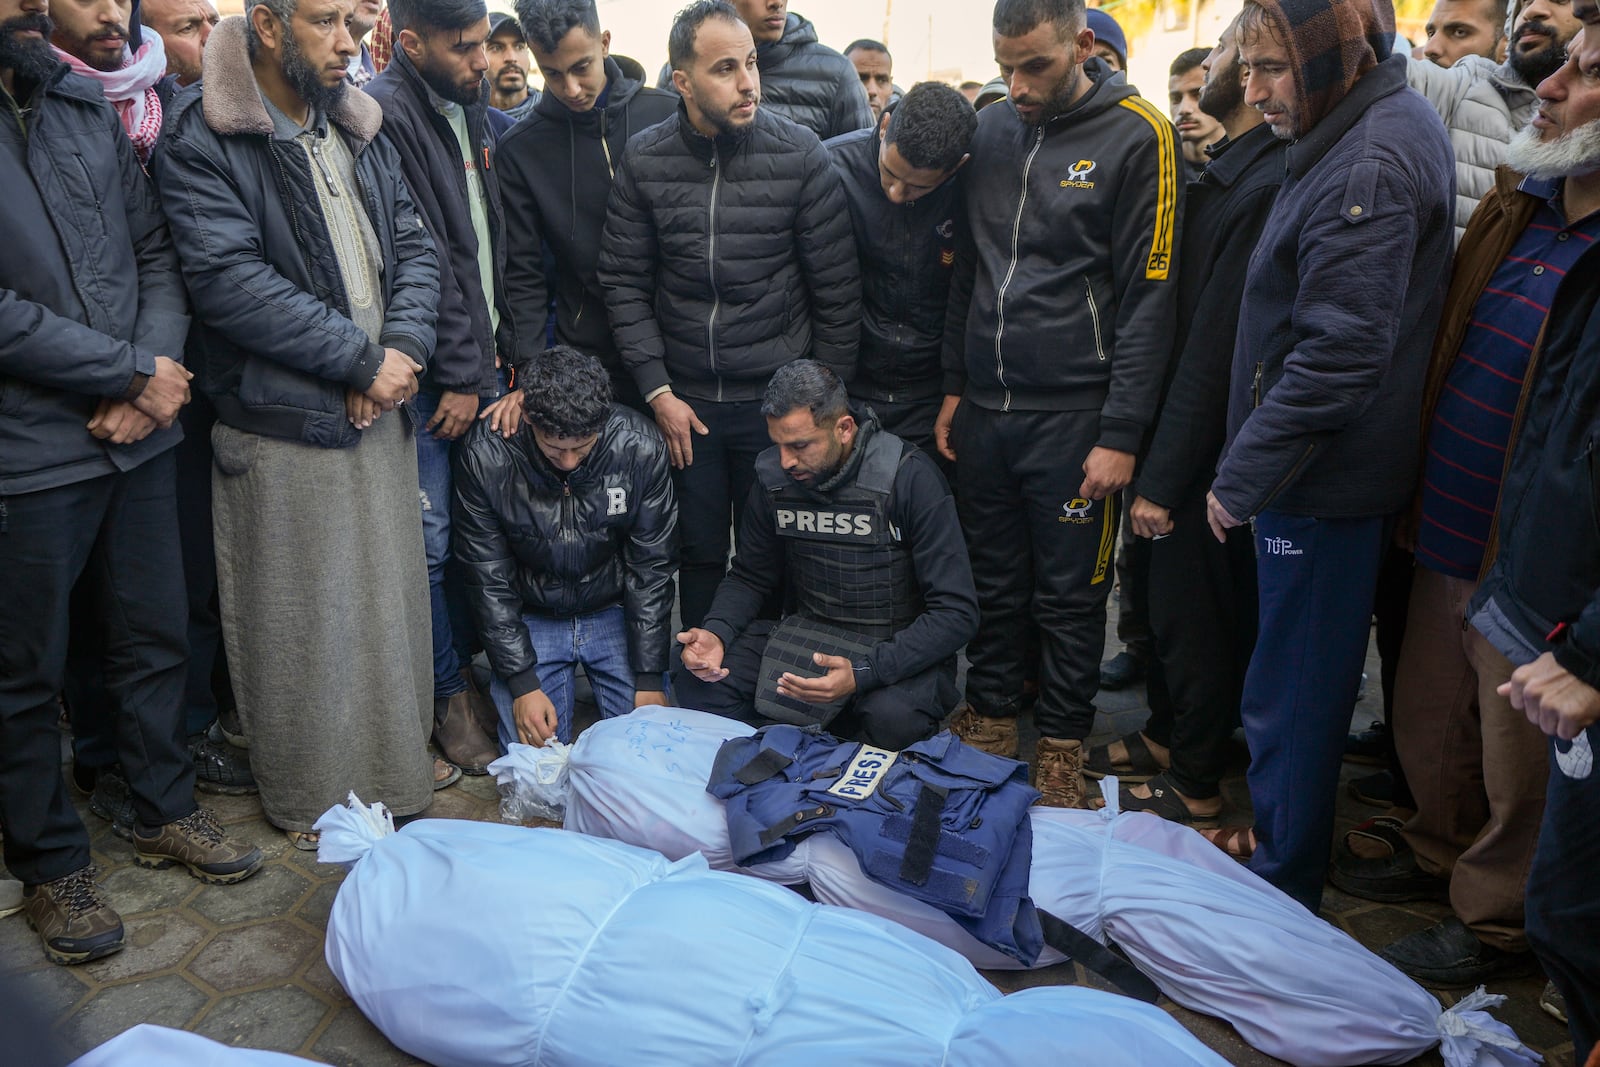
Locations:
(1563, 907)
(1316, 579)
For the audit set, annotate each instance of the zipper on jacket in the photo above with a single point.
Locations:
(606, 148)
(1094, 317)
(711, 268)
(1255, 386)
(1287, 478)
(1000, 298)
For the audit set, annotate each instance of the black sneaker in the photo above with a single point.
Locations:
(1449, 954)
(75, 921)
(113, 801)
(218, 766)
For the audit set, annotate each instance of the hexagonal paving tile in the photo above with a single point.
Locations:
(320, 978)
(135, 889)
(19, 946)
(281, 1019)
(316, 907)
(154, 943)
(352, 1041)
(166, 1001)
(453, 804)
(273, 891)
(232, 809)
(252, 955)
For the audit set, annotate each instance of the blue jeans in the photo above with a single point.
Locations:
(453, 635)
(1316, 580)
(599, 641)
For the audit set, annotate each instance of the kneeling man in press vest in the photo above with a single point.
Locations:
(859, 530)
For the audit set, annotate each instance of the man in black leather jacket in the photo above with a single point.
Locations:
(567, 531)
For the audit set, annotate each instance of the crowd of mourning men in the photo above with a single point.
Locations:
(340, 355)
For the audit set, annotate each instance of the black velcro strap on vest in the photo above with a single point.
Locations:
(763, 765)
(1071, 941)
(923, 842)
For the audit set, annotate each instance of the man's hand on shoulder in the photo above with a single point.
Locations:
(1553, 698)
(702, 654)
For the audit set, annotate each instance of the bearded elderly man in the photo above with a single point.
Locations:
(314, 285)
(1539, 604)
(1322, 414)
(861, 529)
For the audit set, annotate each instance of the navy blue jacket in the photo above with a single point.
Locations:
(89, 285)
(1341, 301)
(273, 345)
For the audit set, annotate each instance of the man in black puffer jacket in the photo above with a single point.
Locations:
(726, 253)
(567, 531)
(555, 175)
(802, 79)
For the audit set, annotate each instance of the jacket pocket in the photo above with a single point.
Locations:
(1094, 318)
(233, 451)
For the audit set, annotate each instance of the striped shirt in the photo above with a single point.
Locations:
(1472, 421)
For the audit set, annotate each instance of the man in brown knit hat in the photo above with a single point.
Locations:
(1340, 305)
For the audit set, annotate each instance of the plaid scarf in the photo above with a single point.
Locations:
(1331, 43)
(131, 90)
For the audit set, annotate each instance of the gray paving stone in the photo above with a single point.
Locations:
(231, 810)
(19, 946)
(318, 977)
(253, 955)
(166, 1001)
(316, 907)
(154, 943)
(271, 892)
(280, 1019)
(134, 889)
(351, 1041)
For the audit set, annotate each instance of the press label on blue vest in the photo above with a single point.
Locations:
(865, 771)
(843, 523)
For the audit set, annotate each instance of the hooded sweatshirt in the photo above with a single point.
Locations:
(1345, 286)
(555, 171)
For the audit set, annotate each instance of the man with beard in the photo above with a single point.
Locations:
(1197, 131)
(314, 285)
(92, 323)
(1460, 28)
(184, 26)
(435, 107)
(104, 42)
(1542, 577)
(860, 528)
(1058, 336)
(802, 79)
(1484, 102)
(900, 182)
(1203, 607)
(508, 68)
(1322, 412)
(1477, 767)
(727, 252)
(875, 66)
(100, 40)
(555, 177)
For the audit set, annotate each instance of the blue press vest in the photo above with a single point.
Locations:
(939, 821)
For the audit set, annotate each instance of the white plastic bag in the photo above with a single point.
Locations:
(157, 1046)
(483, 944)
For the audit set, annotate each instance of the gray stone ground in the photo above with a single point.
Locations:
(243, 964)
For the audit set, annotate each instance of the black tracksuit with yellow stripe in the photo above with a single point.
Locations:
(1059, 331)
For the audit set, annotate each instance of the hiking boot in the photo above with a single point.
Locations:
(993, 734)
(199, 843)
(459, 736)
(113, 802)
(74, 919)
(218, 766)
(1059, 774)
